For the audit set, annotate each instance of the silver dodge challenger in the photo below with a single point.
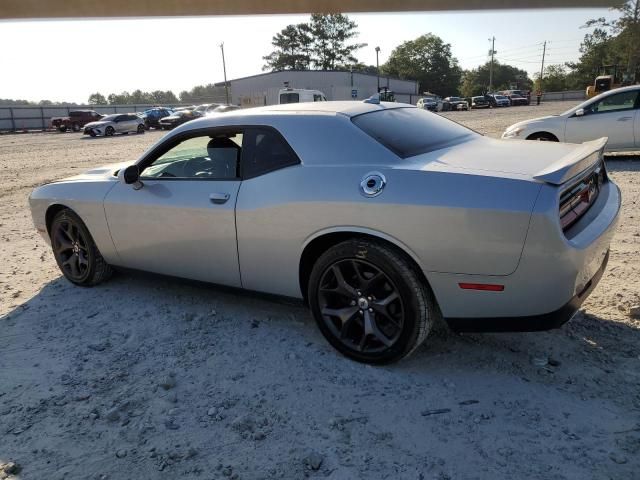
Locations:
(381, 216)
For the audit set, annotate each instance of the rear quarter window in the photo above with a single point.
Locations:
(411, 131)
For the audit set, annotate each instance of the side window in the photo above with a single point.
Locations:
(213, 157)
(619, 101)
(264, 150)
(317, 98)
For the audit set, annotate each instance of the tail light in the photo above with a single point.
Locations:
(576, 200)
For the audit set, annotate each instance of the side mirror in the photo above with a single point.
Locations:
(131, 176)
(580, 112)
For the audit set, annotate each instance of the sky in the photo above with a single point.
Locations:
(69, 60)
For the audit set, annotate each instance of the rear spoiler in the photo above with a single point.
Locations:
(572, 164)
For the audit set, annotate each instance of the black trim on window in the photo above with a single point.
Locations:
(174, 141)
(247, 150)
(171, 142)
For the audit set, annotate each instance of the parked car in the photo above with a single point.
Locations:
(496, 100)
(75, 121)
(520, 93)
(152, 116)
(614, 114)
(117, 123)
(300, 95)
(380, 227)
(205, 108)
(455, 103)
(515, 100)
(224, 109)
(479, 102)
(428, 103)
(178, 118)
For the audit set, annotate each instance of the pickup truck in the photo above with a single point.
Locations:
(75, 121)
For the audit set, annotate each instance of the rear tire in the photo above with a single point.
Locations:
(543, 137)
(75, 251)
(369, 301)
(75, 127)
(62, 128)
(141, 128)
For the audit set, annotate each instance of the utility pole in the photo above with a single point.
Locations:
(224, 69)
(378, 67)
(544, 51)
(492, 52)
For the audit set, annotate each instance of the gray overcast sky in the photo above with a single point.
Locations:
(68, 60)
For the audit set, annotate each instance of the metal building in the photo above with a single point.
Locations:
(258, 90)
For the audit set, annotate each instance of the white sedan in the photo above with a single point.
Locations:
(614, 114)
(116, 123)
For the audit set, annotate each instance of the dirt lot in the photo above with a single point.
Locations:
(146, 377)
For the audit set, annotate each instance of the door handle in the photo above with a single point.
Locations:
(219, 197)
(624, 119)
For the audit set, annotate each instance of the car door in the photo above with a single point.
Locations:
(181, 220)
(270, 171)
(612, 116)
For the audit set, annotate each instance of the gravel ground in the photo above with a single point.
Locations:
(148, 377)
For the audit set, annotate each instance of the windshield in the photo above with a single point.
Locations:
(500, 97)
(455, 99)
(411, 131)
(109, 118)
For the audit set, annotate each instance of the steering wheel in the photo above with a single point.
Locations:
(198, 167)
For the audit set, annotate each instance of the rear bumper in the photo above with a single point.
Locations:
(531, 323)
(555, 274)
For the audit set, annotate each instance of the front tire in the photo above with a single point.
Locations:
(109, 131)
(369, 301)
(75, 251)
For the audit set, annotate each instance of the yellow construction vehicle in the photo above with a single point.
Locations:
(610, 77)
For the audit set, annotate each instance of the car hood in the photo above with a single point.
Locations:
(99, 123)
(103, 173)
(515, 159)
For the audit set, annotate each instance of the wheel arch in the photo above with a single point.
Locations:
(545, 133)
(323, 240)
(52, 211)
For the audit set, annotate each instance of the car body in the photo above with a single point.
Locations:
(614, 114)
(429, 103)
(376, 221)
(115, 123)
(153, 116)
(178, 118)
(455, 103)
(480, 102)
(76, 120)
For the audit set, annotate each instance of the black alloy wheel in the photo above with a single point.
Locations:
(141, 128)
(75, 251)
(361, 305)
(369, 301)
(109, 131)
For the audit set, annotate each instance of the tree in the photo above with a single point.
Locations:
(323, 43)
(614, 42)
(428, 60)
(476, 81)
(97, 99)
(292, 49)
(331, 35)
